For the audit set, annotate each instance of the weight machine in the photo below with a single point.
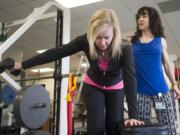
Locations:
(61, 84)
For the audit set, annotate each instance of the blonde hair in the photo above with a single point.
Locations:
(100, 20)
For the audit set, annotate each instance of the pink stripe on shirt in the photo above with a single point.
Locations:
(88, 80)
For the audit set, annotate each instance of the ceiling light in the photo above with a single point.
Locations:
(41, 51)
(42, 70)
(75, 3)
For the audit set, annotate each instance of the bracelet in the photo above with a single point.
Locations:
(174, 84)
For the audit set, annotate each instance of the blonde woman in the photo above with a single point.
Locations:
(104, 84)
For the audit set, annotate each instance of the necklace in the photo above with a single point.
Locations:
(103, 54)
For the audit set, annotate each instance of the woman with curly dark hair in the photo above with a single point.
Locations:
(150, 55)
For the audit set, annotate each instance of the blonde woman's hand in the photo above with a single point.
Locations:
(133, 122)
(17, 66)
(16, 70)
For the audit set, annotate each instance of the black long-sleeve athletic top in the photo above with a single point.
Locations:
(118, 69)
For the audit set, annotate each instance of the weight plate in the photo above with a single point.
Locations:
(8, 95)
(32, 106)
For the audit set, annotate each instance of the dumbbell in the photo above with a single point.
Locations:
(8, 63)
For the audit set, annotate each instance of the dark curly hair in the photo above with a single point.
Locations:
(154, 23)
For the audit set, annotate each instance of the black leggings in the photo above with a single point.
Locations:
(104, 110)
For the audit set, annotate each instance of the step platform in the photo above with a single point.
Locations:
(147, 129)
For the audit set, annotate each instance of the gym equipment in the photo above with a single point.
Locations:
(8, 63)
(15, 72)
(7, 95)
(2, 106)
(147, 129)
(2, 68)
(36, 132)
(37, 14)
(32, 106)
(80, 131)
(9, 130)
(3, 32)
